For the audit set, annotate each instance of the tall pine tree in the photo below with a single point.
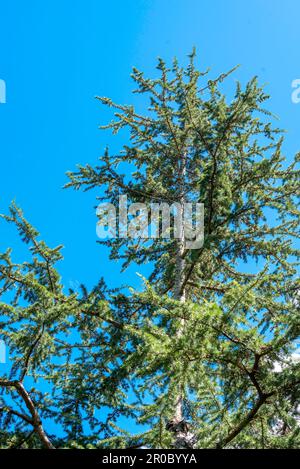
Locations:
(208, 347)
(211, 329)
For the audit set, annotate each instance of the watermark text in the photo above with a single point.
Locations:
(184, 221)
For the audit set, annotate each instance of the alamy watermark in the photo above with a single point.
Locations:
(2, 92)
(184, 221)
(296, 92)
(2, 101)
(2, 352)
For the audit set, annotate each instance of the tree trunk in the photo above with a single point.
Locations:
(183, 438)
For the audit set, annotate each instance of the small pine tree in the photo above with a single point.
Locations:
(207, 347)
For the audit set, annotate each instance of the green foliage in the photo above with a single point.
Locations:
(238, 329)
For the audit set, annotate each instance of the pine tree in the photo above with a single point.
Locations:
(60, 347)
(219, 329)
(208, 345)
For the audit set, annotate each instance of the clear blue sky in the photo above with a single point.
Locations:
(56, 55)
